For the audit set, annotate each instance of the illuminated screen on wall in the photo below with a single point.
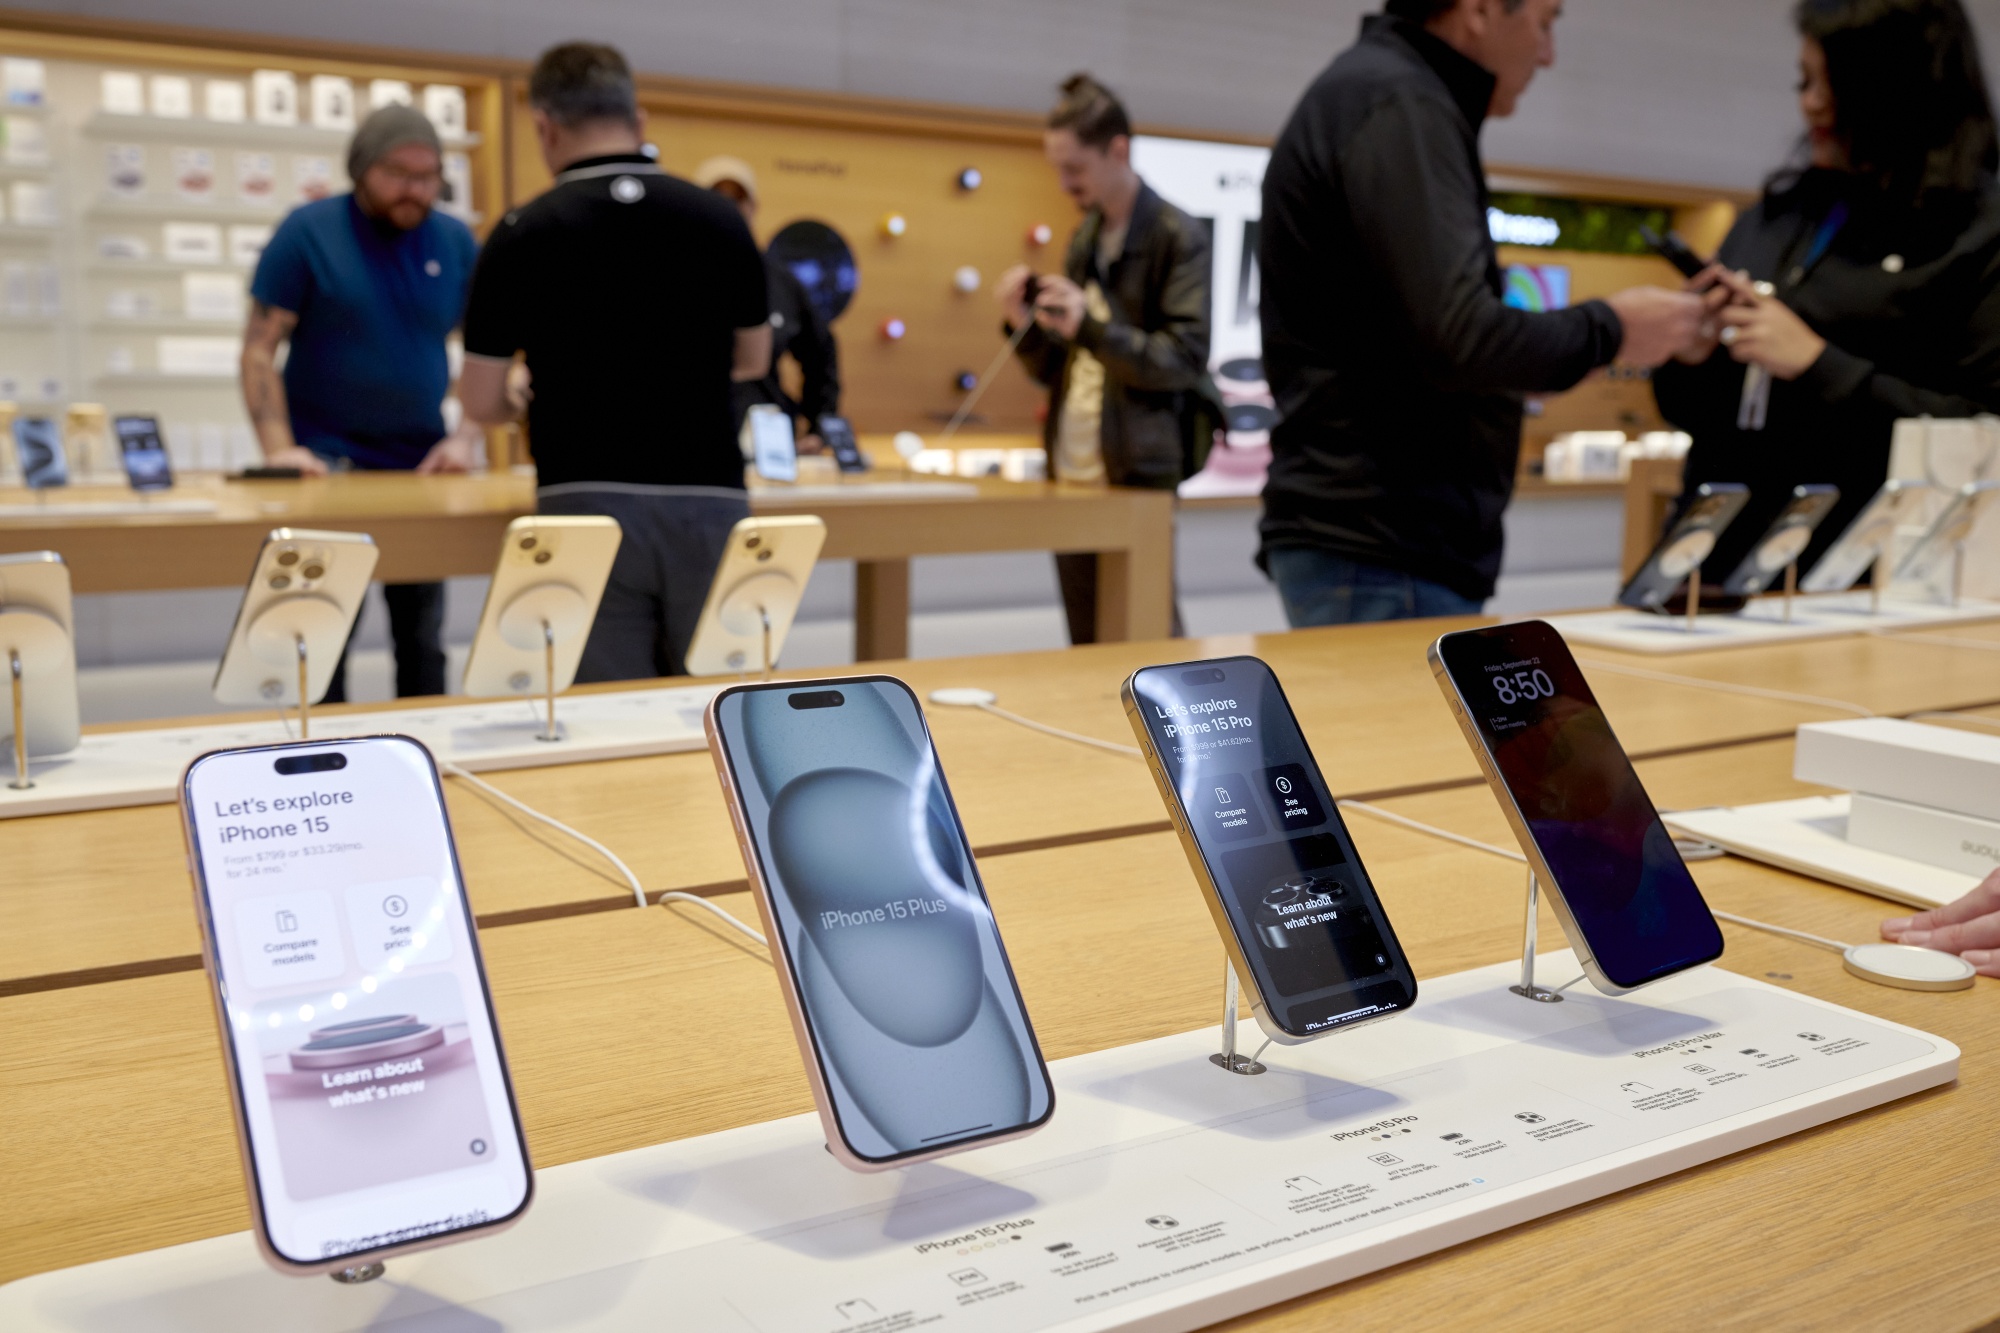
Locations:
(1538, 287)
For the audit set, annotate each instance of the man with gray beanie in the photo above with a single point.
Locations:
(366, 287)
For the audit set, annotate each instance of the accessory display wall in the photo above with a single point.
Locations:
(1165, 1194)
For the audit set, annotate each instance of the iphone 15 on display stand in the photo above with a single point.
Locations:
(1298, 915)
(1586, 825)
(911, 1027)
(38, 443)
(372, 1100)
(304, 592)
(1686, 545)
(143, 453)
(1784, 541)
(839, 437)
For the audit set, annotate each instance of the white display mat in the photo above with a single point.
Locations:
(1165, 1193)
(1809, 836)
(1762, 622)
(116, 768)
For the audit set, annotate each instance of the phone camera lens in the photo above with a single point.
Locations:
(281, 581)
(543, 557)
(528, 543)
(312, 571)
(763, 555)
(752, 543)
(288, 558)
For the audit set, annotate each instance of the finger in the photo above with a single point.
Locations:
(1983, 900)
(1986, 962)
(1979, 933)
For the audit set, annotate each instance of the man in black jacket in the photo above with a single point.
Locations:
(1397, 370)
(1120, 338)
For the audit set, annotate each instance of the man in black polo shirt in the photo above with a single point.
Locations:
(1397, 368)
(637, 298)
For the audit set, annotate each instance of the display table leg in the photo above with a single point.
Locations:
(1135, 584)
(881, 610)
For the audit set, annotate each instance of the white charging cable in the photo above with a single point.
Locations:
(625, 871)
(983, 700)
(1974, 718)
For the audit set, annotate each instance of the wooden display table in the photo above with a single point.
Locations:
(439, 527)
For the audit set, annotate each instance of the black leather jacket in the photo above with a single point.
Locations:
(1160, 408)
(1396, 367)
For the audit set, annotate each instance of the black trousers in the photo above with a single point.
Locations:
(1076, 574)
(416, 629)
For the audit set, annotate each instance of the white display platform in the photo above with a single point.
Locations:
(1820, 617)
(1165, 1193)
(1810, 836)
(116, 768)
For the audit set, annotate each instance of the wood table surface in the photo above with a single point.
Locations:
(438, 527)
(1364, 696)
(115, 1134)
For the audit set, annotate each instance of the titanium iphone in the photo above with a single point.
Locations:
(912, 1030)
(1590, 832)
(1298, 915)
(1936, 549)
(38, 624)
(39, 446)
(1693, 536)
(373, 1105)
(1784, 541)
(305, 584)
(1869, 538)
(755, 594)
(551, 571)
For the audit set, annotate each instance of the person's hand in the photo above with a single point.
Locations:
(1969, 927)
(1657, 323)
(806, 438)
(1761, 330)
(1059, 307)
(305, 460)
(451, 454)
(1012, 293)
(520, 388)
(1716, 292)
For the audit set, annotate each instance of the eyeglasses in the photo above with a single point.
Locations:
(410, 180)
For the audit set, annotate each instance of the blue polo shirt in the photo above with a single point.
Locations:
(367, 373)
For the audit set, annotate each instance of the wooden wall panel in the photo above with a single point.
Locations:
(849, 177)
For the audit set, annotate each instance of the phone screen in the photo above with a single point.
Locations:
(1302, 906)
(1686, 546)
(1612, 860)
(146, 462)
(839, 437)
(369, 1072)
(39, 443)
(919, 1031)
(772, 446)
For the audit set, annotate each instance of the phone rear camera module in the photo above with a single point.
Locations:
(818, 699)
(543, 557)
(1211, 676)
(752, 542)
(288, 558)
(327, 761)
(528, 542)
(312, 571)
(764, 555)
(281, 581)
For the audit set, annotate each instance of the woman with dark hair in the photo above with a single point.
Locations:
(1864, 286)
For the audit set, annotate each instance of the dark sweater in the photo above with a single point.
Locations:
(1396, 367)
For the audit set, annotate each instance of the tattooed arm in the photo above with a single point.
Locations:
(264, 390)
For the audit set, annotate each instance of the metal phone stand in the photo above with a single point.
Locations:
(358, 1273)
(282, 636)
(1693, 595)
(539, 617)
(1528, 990)
(1227, 1058)
(35, 645)
(749, 604)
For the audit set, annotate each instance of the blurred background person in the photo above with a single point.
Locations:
(638, 299)
(1120, 336)
(796, 326)
(1397, 369)
(1880, 248)
(366, 287)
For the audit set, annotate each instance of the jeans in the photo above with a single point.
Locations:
(1321, 588)
(674, 540)
(416, 628)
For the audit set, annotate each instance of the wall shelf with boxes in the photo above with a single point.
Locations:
(139, 182)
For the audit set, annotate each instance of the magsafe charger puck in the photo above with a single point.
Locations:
(963, 697)
(1908, 967)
